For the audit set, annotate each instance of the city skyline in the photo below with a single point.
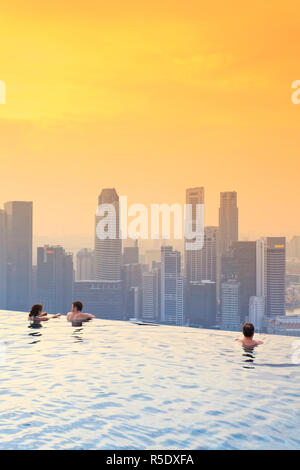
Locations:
(158, 101)
(71, 239)
(220, 286)
(74, 243)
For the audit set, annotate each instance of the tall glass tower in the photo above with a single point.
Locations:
(171, 286)
(194, 258)
(228, 219)
(274, 275)
(19, 254)
(108, 251)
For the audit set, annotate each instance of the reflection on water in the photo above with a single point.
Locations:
(78, 334)
(143, 388)
(76, 323)
(35, 334)
(35, 325)
(249, 356)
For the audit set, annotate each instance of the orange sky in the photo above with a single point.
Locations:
(150, 99)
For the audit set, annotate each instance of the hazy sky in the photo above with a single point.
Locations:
(151, 98)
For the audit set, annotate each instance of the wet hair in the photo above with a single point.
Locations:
(35, 310)
(248, 330)
(78, 305)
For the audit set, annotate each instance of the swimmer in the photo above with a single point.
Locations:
(76, 317)
(247, 340)
(36, 315)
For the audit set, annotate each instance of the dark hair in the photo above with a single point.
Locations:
(35, 310)
(248, 330)
(78, 305)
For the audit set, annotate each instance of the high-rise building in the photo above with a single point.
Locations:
(271, 273)
(131, 254)
(152, 255)
(172, 287)
(275, 276)
(256, 312)
(293, 247)
(85, 265)
(194, 258)
(151, 295)
(19, 254)
(228, 219)
(239, 262)
(101, 298)
(208, 255)
(54, 279)
(108, 251)
(230, 305)
(202, 304)
(228, 230)
(34, 284)
(260, 268)
(206, 266)
(134, 302)
(3, 261)
(132, 276)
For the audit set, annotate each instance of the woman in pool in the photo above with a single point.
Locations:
(36, 315)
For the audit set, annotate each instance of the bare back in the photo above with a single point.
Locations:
(77, 317)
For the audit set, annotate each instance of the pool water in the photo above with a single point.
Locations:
(118, 385)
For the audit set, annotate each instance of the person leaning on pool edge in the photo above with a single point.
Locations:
(76, 316)
(36, 315)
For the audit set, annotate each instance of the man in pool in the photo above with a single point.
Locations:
(76, 317)
(248, 333)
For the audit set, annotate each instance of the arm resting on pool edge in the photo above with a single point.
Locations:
(86, 316)
(80, 317)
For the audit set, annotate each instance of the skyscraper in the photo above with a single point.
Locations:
(260, 267)
(151, 295)
(202, 304)
(106, 297)
(54, 279)
(131, 254)
(294, 247)
(108, 252)
(85, 265)
(19, 254)
(271, 274)
(132, 276)
(134, 302)
(257, 311)
(228, 219)
(194, 258)
(208, 255)
(239, 262)
(275, 276)
(230, 303)
(152, 255)
(3, 261)
(172, 286)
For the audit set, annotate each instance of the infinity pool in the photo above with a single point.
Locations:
(117, 385)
